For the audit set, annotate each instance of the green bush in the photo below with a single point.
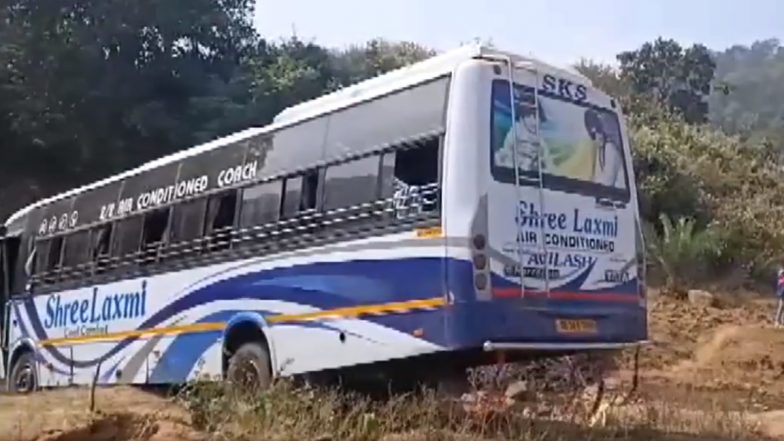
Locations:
(727, 188)
(684, 254)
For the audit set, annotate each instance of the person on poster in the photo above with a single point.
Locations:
(529, 143)
(608, 162)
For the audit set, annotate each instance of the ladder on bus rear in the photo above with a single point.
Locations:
(539, 157)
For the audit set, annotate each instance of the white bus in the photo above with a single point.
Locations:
(422, 217)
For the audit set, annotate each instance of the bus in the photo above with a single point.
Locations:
(473, 204)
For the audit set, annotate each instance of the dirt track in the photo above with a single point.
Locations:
(63, 415)
(701, 358)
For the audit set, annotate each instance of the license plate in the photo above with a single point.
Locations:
(583, 326)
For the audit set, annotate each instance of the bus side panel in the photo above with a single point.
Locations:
(382, 299)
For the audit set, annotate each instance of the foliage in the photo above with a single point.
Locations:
(728, 187)
(376, 57)
(751, 80)
(725, 184)
(682, 251)
(89, 88)
(672, 77)
(606, 78)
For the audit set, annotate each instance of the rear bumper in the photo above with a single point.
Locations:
(521, 324)
(490, 346)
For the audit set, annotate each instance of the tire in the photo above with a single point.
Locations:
(249, 368)
(24, 378)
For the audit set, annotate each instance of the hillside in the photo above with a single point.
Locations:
(754, 79)
(710, 373)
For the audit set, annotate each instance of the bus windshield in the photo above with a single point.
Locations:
(581, 144)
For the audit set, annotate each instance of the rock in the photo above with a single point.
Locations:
(483, 403)
(517, 391)
(472, 397)
(701, 298)
(591, 390)
(612, 383)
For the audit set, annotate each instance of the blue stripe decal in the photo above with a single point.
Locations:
(395, 280)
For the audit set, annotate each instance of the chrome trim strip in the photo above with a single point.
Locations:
(489, 346)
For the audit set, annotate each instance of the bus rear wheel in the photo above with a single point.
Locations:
(23, 378)
(249, 368)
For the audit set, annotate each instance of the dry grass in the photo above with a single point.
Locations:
(287, 412)
(206, 411)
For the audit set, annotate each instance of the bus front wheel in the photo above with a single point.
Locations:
(249, 368)
(23, 378)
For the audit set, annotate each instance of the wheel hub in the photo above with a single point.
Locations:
(24, 380)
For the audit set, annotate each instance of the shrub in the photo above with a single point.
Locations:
(731, 188)
(683, 253)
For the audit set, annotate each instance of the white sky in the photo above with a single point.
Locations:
(557, 31)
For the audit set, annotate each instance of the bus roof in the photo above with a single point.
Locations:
(408, 76)
(365, 90)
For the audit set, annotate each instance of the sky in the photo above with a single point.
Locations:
(558, 31)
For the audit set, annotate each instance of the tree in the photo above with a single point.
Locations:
(89, 88)
(672, 77)
(752, 105)
(376, 57)
(605, 78)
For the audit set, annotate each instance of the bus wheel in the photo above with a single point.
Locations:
(249, 368)
(23, 378)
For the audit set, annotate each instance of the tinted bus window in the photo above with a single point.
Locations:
(351, 183)
(261, 204)
(389, 119)
(77, 247)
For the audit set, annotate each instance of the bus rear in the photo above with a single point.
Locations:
(553, 254)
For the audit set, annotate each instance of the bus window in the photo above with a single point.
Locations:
(156, 223)
(292, 192)
(187, 227)
(50, 257)
(76, 250)
(5, 292)
(31, 264)
(41, 254)
(221, 211)
(578, 146)
(5, 288)
(100, 247)
(310, 187)
(418, 165)
(128, 236)
(351, 183)
(55, 253)
(410, 178)
(261, 204)
(101, 240)
(11, 255)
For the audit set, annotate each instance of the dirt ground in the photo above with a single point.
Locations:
(701, 359)
(122, 413)
(729, 355)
